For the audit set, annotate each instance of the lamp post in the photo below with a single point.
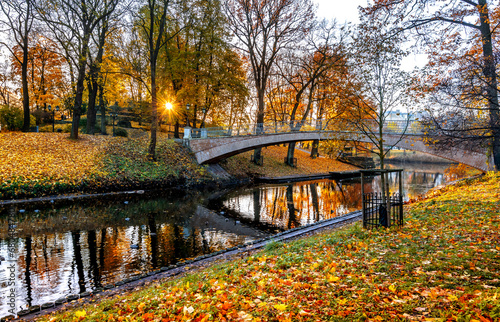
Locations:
(113, 116)
(187, 112)
(53, 116)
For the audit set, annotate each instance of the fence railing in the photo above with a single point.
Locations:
(376, 214)
(389, 127)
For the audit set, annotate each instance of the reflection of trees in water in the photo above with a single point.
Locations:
(292, 205)
(109, 257)
(55, 264)
(93, 216)
(415, 183)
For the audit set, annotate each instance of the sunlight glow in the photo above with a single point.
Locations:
(168, 106)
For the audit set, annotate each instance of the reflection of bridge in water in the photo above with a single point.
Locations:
(273, 207)
(213, 144)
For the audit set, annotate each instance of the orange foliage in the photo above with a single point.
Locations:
(45, 75)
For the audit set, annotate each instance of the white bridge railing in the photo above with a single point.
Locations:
(390, 127)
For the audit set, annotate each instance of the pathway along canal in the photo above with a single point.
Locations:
(79, 246)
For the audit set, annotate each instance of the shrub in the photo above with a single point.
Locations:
(124, 123)
(45, 128)
(66, 128)
(121, 132)
(11, 118)
(458, 171)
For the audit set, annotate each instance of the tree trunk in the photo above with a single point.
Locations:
(24, 80)
(290, 153)
(176, 129)
(91, 110)
(315, 149)
(102, 105)
(491, 77)
(95, 70)
(257, 155)
(77, 107)
(154, 114)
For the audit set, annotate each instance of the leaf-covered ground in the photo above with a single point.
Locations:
(37, 164)
(444, 265)
(274, 166)
(34, 164)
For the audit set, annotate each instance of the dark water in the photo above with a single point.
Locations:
(79, 246)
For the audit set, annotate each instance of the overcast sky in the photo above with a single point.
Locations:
(342, 10)
(347, 11)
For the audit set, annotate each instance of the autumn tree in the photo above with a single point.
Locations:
(130, 61)
(5, 89)
(155, 21)
(330, 106)
(18, 22)
(104, 28)
(46, 81)
(71, 23)
(218, 79)
(433, 21)
(304, 67)
(263, 29)
(377, 87)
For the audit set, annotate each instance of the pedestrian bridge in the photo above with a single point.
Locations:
(211, 145)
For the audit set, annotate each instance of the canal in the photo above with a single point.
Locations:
(79, 246)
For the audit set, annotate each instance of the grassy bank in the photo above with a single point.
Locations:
(444, 265)
(36, 164)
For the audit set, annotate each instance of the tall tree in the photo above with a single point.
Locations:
(95, 64)
(45, 71)
(18, 22)
(377, 87)
(72, 23)
(434, 21)
(304, 68)
(263, 29)
(5, 89)
(153, 20)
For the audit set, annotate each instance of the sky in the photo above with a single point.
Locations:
(347, 11)
(342, 10)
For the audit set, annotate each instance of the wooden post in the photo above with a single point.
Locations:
(401, 197)
(363, 199)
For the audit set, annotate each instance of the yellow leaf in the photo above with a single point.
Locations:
(280, 307)
(333, 279)
(392, 288)
(80, 314)
(342, 301)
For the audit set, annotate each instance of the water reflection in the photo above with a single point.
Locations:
(81, 246)
(286, 206)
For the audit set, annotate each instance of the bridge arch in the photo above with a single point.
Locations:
(211, 150)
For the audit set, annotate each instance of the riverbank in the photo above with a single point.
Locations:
(34, 165)
(443, 264)
(40, 164)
